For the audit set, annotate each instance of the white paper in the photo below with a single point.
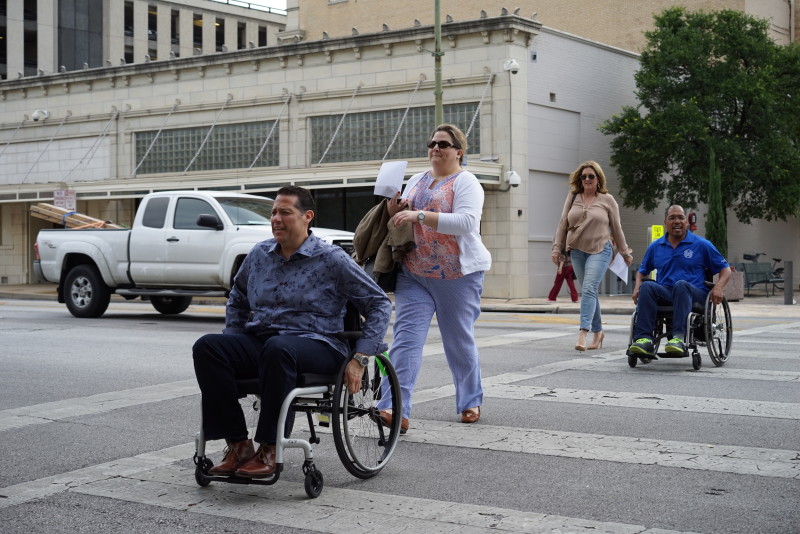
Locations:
(390, 178)
(619, 268)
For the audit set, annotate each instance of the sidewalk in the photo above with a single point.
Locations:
(612, 305)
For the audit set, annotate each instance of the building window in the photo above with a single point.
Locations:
(367, 136)
(175, 31)
(342, 207)
(241, 35)
(231, 146)
(219, 29)
(80, 33)
(262, 36)
(197, 25)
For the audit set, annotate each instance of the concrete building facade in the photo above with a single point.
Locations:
(619, 23)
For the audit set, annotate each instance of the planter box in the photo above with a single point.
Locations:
(734, 289)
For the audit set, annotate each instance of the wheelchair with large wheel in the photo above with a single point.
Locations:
(364, 445)
(707, 325)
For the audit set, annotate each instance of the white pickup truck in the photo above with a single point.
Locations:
(183, 244)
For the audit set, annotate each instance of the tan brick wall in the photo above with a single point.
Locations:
(619, 23)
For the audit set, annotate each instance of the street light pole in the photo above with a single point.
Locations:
(437, 64)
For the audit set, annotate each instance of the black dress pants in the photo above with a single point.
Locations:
(221, 359)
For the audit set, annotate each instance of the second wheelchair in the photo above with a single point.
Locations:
(707, 325)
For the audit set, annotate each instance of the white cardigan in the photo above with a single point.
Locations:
(464, 222)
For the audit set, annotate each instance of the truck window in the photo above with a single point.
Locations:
(155, 213)
(187, 211)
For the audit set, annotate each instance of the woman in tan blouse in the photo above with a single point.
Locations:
(589, 220)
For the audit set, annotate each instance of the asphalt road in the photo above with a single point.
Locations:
(97, 421)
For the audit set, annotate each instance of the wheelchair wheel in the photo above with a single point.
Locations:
(718, 330)
(313, 483)
(251, 408)
(364, 445)
(201, 472)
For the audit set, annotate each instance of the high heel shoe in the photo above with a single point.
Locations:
(581, 344)
(598, 341)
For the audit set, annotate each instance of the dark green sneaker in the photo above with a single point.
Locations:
(675, 346)
(642, 346)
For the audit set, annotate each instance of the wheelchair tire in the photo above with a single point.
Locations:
(697, 363)
(718, 330)
(363, 444)
(201, 472)
(632, 360)
(313, 484)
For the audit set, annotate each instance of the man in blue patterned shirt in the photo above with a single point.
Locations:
(286, 305)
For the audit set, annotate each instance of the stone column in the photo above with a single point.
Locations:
(46, 25)
(113, 31)
(139, 30)
(164, 29)
(15, 39)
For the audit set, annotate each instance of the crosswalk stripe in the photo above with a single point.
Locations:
(339, 510)
(710, 372)
(651, 401)
(722, 458)
(48, 412)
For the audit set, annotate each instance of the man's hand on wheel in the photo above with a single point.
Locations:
(352, 376)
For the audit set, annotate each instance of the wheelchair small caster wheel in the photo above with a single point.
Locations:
(313, 483)
(696, 361)
(201, 472)
(632, 360)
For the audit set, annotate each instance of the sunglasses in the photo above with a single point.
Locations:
(442, 145)
(588, 176)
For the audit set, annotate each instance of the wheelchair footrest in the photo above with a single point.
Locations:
(684, 354)
(233, 479)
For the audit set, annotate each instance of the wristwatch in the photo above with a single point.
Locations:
(421, 216)
(361, 358)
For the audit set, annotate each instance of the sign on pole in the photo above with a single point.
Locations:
(65, 198)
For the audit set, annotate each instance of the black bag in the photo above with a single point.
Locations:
(386, 281)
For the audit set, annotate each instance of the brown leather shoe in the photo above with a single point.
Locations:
(387, 418)
(471, 415)
(236, 455)
(261, 465)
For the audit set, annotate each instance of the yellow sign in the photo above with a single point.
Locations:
(656, 231)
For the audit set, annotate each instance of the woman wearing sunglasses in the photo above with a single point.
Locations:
(443, 274)
(589, 220)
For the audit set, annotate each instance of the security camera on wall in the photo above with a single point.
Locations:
(40, 115)
(514, 179)
(511, 65)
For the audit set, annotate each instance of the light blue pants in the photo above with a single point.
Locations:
(457, 304)
(590, 269)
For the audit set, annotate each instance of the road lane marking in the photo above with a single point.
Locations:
(339, 511)
(709, 372)
(650, 401)
(736, 459)
(48, 412)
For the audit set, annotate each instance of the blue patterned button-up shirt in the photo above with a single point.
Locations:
(306, 295)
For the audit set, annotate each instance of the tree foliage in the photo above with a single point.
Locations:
(716, 225)
(712, 80)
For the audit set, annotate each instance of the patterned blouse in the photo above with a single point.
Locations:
(436, 254)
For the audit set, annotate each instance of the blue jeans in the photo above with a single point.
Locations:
(590, 269)
(652, 294)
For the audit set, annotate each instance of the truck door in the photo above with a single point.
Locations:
(194, 253)
(148, 245)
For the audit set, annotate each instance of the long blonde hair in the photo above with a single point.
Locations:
(576, 184)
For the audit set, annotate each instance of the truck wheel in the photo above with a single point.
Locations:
(85, 293)
(170, 305)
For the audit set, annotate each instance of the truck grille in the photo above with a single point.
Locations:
(346, 245)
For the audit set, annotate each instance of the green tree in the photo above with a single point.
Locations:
(712, 80)
(716, 225)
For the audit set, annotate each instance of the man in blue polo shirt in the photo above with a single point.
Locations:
(682, 260)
